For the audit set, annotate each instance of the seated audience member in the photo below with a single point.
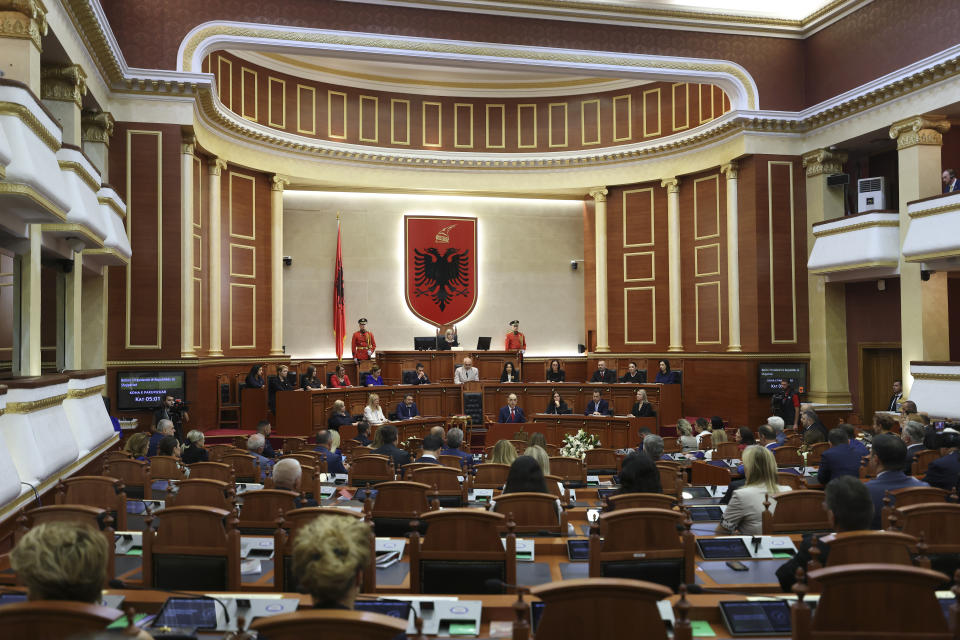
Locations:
(665, 375)
(855, 444)
(539, 454)
(169, 446)
(557, 405)
(309, 380)
(888, 455)
(555, 373)
(137, 445)
(745, 438)
(363, 433)
(466, 372)
(840, 459)
(387, 434)
(431, 449)
(509, 373)
(883, 424)
(407, 409)
(643, 432)
(373, 413)
(164, 428)
(912, 436)
(287, 474)
(633, 375)
(776, 423)
(340, 378)
(602, 374)
(330, 554)
(254, 379)
(278, 382)
(194, 452)
(373, 377)
(511, 412)
(908, 407)
(503, 453)
(421, 375)
(944, 472)
(454, 440)
(687, 440)
(642, 407)
(255, 448)
(810, 421)
(327, 447)
(639, 474)
(810, 438)
(702, 428)
(653, 447)
(744, 514)
(525, 475)
(766, 437)
(264, 428)
(849, 508)
(438, 430)
(537, 438)
(718, 437)
(339, 416)
(335, 442)
(597, 406)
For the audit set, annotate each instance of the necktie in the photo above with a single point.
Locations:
(511, 414)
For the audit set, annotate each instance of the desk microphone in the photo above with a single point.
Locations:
(120, 584)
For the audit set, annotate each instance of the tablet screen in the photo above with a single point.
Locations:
(723, 548)
(756, 618)
(696, 492)
(603, 493)
(578, 550)
(393, 608)
(191, 613)
(706, 514)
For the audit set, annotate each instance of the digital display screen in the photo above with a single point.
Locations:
(11, 598)
(706, 514)
(756, 618)
(190, 613)
(770, 374)
(723, 548)
(578, 549)
(145, 390)
(393, 608)
(536, 612)
(695, 492)
(606, 493)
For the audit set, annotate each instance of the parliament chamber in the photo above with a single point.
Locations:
(529, 319)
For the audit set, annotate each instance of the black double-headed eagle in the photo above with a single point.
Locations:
(442, 276)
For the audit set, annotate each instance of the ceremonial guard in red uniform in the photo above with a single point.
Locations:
(515, 340)
(363, 344)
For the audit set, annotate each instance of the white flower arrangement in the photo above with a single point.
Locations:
(577, 445)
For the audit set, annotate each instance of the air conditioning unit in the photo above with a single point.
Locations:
(871, 194)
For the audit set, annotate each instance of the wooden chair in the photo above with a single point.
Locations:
(922, 460)
(451, 460)
(705, 474)
(566, 616)
(792, 440)
(260, 510)
(642, 501)
(239, 442)
(116, 454)
(370, 469)
(788, 456)
(706, 442)
(406, 471)
(671, 477)
(286, 532)
(398, 502)
(217, 451)
(245, 467)
(671, 444)
(816, 452)
(93, 517)
(491, 475)
(207, 559)
(228, 401)
(166, 468)
(329, 623)
(532, 512)
(520, 445)
(101, 492)
(867, 601)
(307, 457)
(643, 544)
(54, 619)
(135, 476)
(792, 480)
(910, 496)
(201, 492)
(444, 483)
(727, 451)
(602, 462)
(211, 471)
(886, 547)
(936, 526)
(572, 470)
(461, 552)
(556, 488)
(294, 444)
(795, 512)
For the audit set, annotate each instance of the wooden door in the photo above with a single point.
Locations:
(879, 367)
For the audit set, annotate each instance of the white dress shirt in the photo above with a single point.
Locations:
(373, 416)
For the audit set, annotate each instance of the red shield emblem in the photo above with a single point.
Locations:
(441, 267)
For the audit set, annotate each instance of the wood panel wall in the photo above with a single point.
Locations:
(703, 247)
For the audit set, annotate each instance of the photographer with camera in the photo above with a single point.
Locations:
(174, 410)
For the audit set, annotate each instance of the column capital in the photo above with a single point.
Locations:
(823, 161)
(731, 169)
(63, 82)
(187, 140)
(96, 126)
(599, 194)
(24, 19)
(216, 166)
(919, 130)
(278, 183)
(672, 185)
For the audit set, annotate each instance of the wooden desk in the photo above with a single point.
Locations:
(439, 365)
(253, 407)
(613, 432)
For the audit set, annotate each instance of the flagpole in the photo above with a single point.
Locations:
(339, 321)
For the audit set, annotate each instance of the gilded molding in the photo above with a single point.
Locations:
(195, 362)
(731, 169)
(77, 168)
(872, 264)
(35, 405)
(823, 162)
(110, 202)
(934, 211)
(672, 185)
(63, 82)
(919, 130)
(73, 228)
(599, 194)
(88, 28)
(97, 126)
(26, 191)
(23, 113)
(216, 166)
(109, 252)
(25, 19)
(856, 227)
(278, 184)
(76, 394)
(954, 377)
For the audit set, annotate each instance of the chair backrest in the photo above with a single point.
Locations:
(642, 501)
(727, 451)
(938, 524)
(909, 496)
(135, 475)
(787, 456)
(671, 476)
(116, 454)
(262, 509)
(461, 552)
(245, 467)
(571, 470)
(555, 487)
(702, 473)
(329, 623)
(565, 615)
(294, 444)
(102, 492)
(519, 445)
(922, 460)
(53, 619)
(451, 460)
(306, 457)
(209, 558)
(370, 469)
(166, 468)
(706, 442)
(795, 512)
(211, 471)
(491, 475)
(652, 544)
(408, 469)
(886, 547)
(532, 512)
(671, 444)
(202, 492)
(217, 451)
(445, 481)
(602, 461)
(400, 499)
(94, 517)
(816, 452)
(791, 480)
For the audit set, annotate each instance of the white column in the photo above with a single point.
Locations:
(276, 264)
(96, 129)
(26, 309)
(73, 316)
(186, 246)
(673, 250)
(22, 25)
(62, 87)
(599, 195)
(732, 169)
(213, 235)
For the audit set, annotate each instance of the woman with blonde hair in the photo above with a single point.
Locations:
(688, 442)
(539, 454)
(744, 514)
(503, 453)
(137, 444)
(372, 413)
(329, 556)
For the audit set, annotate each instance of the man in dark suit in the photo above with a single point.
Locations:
(855, 444)
(912, 436)
(602, 374)
(390, 448)
(454, 440)
(363, 433)
(839, 460)
(598, 406)
(950, 182)
(944, 472)
(431, 449)
(896, 397)
(420, 377)
(334, 461)
(264, 428)
(511, 412)
(889, 453)
(811, 422)
(286, 476)
(407, 409)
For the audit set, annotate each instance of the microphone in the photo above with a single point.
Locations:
(120, 584)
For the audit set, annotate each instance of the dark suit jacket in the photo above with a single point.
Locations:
(336, 420)
(505, 415)
(602, 407)
(304, 502)
(465, 458)
(645, 411)
(608, 376)
(427, 459)
(892, 405)
(559, 376)
(363, 440)
(399, 456)
(888, 481)
(860, 448)
(425, 380)
(944, 472)
(563, 409)
(194, 454)
(404, 412)
(155, 439)
(911, 454)
(637, 378)
(787, 573)
(276, 384)
(334, 461)
(268, 451)
(841, 460)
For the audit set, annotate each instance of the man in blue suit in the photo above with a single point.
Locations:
(598, 406)
(407, 409)
(855, 444)
(431, 449)
(840, 459)
(511, 412)
(334, 461)
(454, 440)
(945, 472)
(889, 454)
